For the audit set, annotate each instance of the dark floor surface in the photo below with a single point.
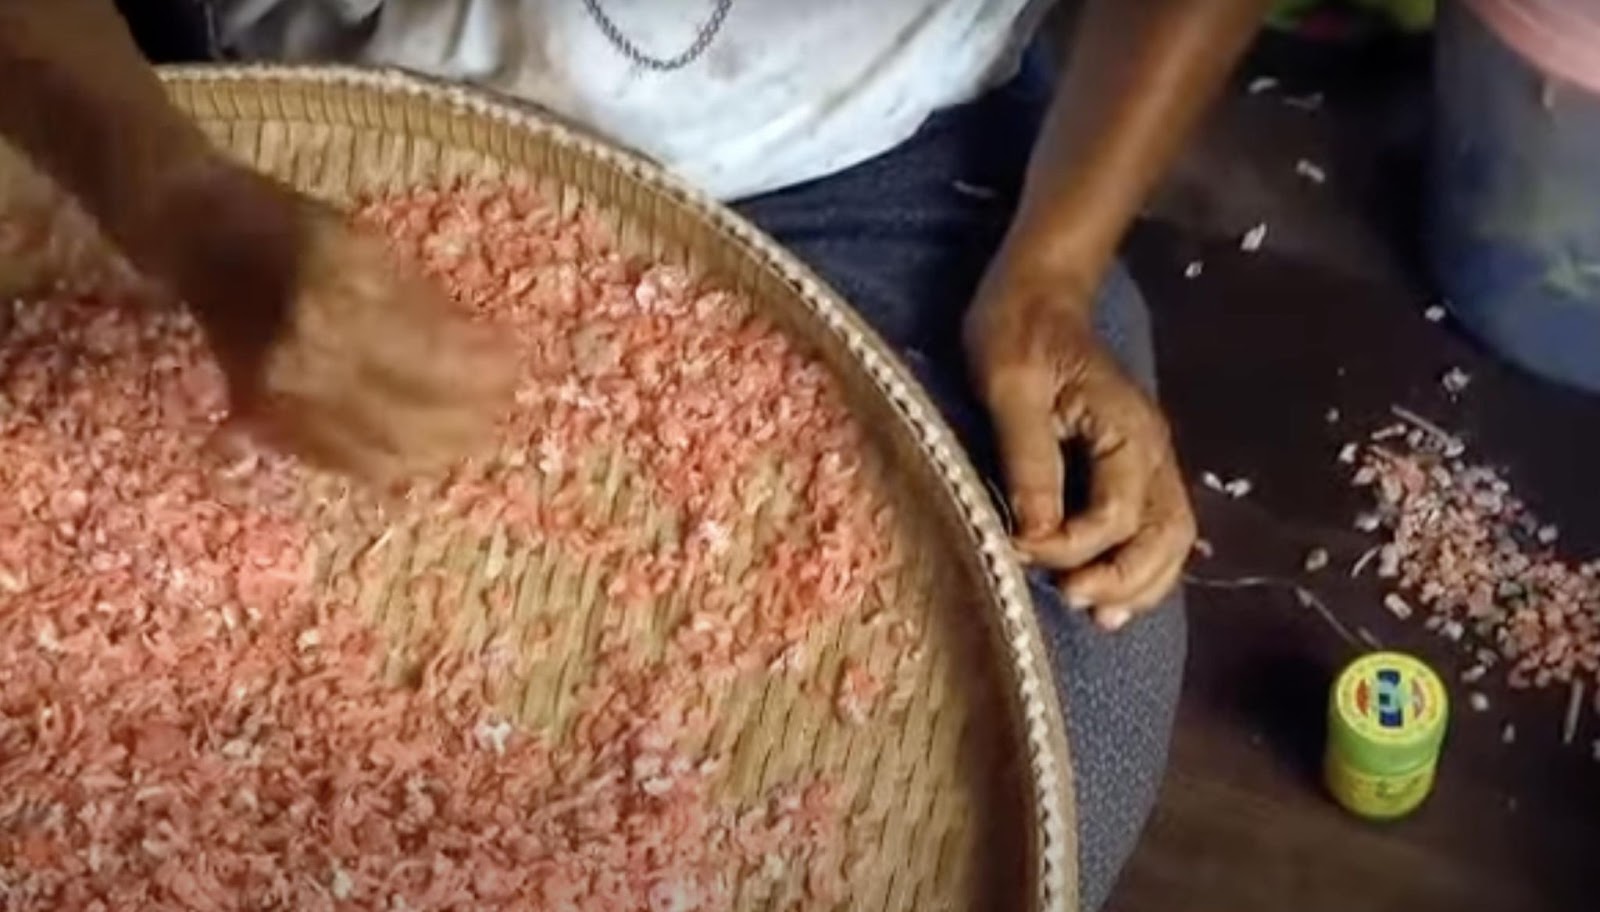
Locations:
(1254, 353)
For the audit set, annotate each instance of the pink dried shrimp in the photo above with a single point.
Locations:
(1480, 562)
(190, 720)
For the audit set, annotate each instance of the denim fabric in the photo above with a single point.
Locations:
(1514, 202)
(905, 237)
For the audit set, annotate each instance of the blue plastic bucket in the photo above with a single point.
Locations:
(1514, 204)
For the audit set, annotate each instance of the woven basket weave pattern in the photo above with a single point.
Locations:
(960, 801)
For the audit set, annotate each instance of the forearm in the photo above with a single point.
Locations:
(1141, 74)
(85, 107)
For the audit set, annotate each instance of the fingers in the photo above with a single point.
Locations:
(429, 409)
(1137, 576)
(461, 363)
(366, 430)
(1044, 377)
(1119, 483)
(1127, 442)
(1023, 410)
(416, 436)
(297, 426)
(1115, 617)
(377, 374)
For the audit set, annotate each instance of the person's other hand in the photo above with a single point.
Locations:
(1047, 381)
(331, 347)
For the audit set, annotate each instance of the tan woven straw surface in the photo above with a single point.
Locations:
(960, 797)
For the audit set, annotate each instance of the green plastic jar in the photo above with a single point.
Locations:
(1386, 722)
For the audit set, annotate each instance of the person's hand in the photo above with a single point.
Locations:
(329, 346)
(332, 349)
(1047, 382)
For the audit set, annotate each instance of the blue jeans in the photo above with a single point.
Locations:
(1514, 202)
(905, 238)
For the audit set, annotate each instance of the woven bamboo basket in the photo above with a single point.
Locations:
(963, 799)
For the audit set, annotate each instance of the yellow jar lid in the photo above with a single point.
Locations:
(1387, 713)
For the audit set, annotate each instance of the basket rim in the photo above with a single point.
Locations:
(1040, 728)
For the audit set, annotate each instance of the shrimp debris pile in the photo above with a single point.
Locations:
(1479, 562)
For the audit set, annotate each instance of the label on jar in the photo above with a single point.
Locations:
(1377, 796)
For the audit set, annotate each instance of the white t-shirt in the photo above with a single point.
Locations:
(785, 91)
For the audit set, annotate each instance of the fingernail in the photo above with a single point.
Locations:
(1113, 619)
(1077, 602)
